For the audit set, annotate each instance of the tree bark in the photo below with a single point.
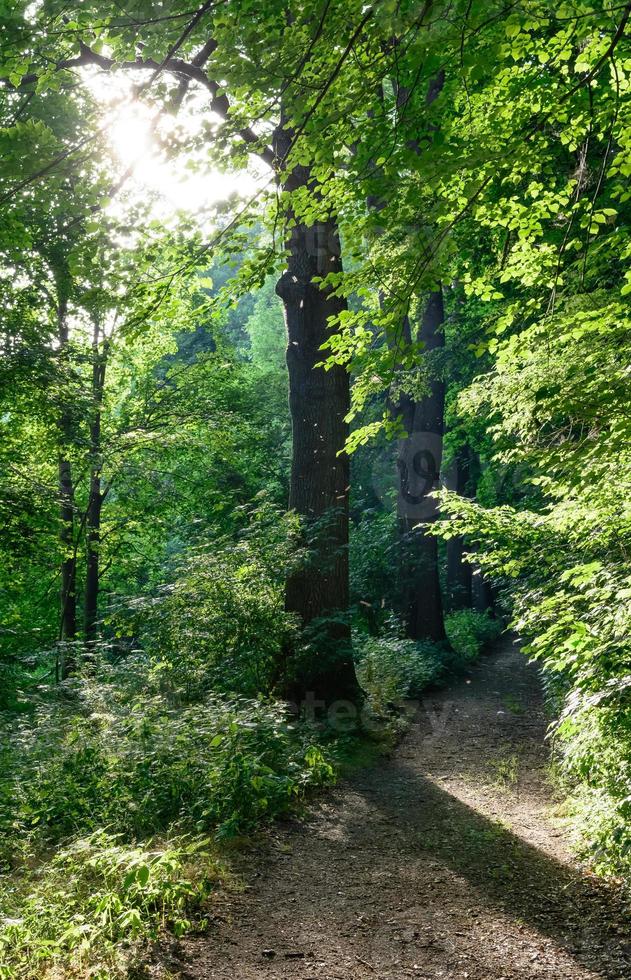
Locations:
(420, 458)
(95, 503)
(482, 594)
(419, 461)
(68, 597)
(93, 538)
(319, 401)
(459, 572)
(458, 575)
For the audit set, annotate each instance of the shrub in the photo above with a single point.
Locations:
(373, 556)
(151, 747)
(136, 765)
(593, 753)
(97, 899)
(8, 685)
(469, 632)
(220, 624)
(569, 591)
(391, 668)
(557, 544)
(118, 755)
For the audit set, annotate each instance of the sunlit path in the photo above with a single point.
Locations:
(444, 862)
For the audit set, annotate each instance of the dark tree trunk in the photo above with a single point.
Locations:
(320, 473)
(483, 599)
(93, 538)
(419, 461)
(459, 572)
(68, 596)
(95, 503)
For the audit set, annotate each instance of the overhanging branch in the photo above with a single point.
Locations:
(186, 71)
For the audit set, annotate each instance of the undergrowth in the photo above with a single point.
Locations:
(116, 792)
(92, 906)
(469, 633)
(129, 795)
(392, 667)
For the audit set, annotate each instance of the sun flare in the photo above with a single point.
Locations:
(130, 135)
(184, 184)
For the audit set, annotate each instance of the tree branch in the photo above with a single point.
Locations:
(188, 71)
(591, 74)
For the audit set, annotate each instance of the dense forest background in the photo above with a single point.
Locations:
(275, 460)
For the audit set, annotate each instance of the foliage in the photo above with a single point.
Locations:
(266, 331)
(470, 633)
(560, 554)
(452, 142)
(392, 667)
(98, 900)
(220, 623)
(373, 549)
(124, 758)
(115, 760)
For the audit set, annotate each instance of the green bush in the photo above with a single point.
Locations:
(567, 575)
(556, 544)
(374, 544)
(117, 762)
(136, 765)
(220, 624)
(94, 903)
(391, 668)
(8, 684)
(469, 632)
(147, 747)
(593, 754)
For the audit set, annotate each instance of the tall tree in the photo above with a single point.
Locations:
(68, 575)
(206, 49)
(459, 572)
(419, 462)
(421, 451)
(319, 401)
(99, 351)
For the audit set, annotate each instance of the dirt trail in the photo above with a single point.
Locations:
(442, 862)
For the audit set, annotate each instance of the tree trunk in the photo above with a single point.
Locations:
(459, 572)
(458, 575)
(95, 503)
(68, 597)
(93, 538)
(419, 462)
(482, 591)
(319, 402)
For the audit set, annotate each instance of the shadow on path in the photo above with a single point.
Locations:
(422, 867)
(575, 910)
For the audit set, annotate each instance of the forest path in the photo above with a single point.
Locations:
(443, 861)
